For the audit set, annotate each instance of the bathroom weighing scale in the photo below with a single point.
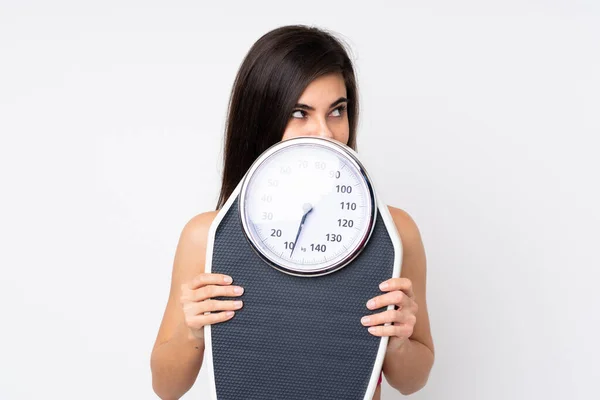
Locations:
(306, 236)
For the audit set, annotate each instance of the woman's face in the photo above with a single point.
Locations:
(321, 110)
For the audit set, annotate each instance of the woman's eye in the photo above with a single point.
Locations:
(338, 111)
(298, 114)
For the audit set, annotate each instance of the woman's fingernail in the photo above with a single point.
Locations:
(229, 313)
(383, 286)
(238, 290)
(365, 320)
(237, 304)
(372, 329)
(371, 304)
(228, 279)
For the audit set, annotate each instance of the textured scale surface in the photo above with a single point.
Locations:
(296, 338)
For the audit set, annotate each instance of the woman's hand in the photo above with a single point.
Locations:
(403, 317)
(196, 299)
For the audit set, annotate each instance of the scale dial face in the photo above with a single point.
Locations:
(307, 206)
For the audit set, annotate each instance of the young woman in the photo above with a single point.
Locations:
(294, 81)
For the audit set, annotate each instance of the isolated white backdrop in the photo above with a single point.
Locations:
(480, 120)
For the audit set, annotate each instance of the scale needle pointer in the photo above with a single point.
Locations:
(307, 208)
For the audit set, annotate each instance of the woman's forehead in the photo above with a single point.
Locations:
(324, 90)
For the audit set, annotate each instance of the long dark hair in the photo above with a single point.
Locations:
(273, 75)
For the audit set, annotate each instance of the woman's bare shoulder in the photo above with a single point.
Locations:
(191, 249)
(414, 258)
(406, 225)
(196, 228)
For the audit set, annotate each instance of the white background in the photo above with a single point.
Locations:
(480, 119)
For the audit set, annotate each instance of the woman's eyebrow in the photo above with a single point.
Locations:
(335, 103)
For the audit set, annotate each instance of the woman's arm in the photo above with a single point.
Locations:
(408, 362)
(407, 367)
(177, 354)
(175, 364)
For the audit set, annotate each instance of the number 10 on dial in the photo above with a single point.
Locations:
(307, 206)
